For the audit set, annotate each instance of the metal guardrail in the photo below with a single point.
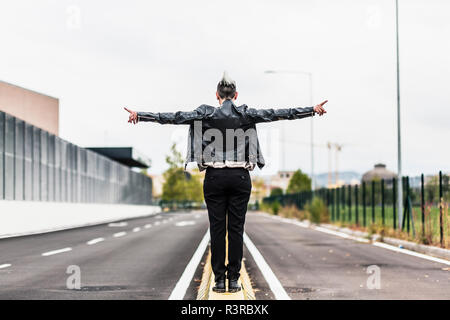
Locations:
(36, 165)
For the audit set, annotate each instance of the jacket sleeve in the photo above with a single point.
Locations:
(267, 115)
(179, 117)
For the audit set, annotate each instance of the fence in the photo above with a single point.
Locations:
(425, 206)
(36, 165)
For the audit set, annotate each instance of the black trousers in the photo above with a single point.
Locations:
(227, 191)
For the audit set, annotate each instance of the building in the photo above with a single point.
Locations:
(125, 155)
(378, 172)
(37, 165)
(35, 108)
(281, 179)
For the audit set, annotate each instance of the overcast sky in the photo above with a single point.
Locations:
(98, 56)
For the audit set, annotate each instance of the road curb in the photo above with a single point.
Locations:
(416, 247)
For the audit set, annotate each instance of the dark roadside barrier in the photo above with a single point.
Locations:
(36, 165)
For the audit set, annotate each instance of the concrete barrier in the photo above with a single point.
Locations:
(19, 218)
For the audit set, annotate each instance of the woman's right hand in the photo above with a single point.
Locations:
(133, 116)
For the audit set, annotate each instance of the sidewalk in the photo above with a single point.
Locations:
(18, 218)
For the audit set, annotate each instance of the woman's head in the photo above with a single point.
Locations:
(226, 89)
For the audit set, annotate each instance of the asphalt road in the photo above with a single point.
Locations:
(315, 265)
(144, 264)
(129, 261)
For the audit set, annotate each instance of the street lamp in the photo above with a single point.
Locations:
(399, 141)
(309, 74)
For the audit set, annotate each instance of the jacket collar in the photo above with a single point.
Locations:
(227, 102)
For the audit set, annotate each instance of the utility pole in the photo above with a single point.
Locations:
(330, 180)
(338, 149)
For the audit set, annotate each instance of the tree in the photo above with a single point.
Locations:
(276, 192)
(258, 189)
(179, 185)
(299, 182)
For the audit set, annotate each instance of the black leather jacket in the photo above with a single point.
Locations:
(210, 138)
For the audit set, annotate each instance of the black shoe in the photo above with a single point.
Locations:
(219, 286)
(233, 285)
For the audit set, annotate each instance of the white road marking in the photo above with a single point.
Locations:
(340, 234)
(6, 265)
(119, 234)
(271, 279)
(182, 285)
(157, 223)
(164, 221)
(137, 229)
(411, 253)
(185, 223)
(147, 226)
(94, 241)
(376, 243)
(50, 253)
(197, 216)
(118, 224)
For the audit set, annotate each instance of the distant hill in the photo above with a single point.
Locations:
(347, 176)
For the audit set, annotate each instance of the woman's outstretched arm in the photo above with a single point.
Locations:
(180, 117)
(268, 115)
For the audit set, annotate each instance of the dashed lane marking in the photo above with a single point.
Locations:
(118, 224)
(119, 234)
(185, 223)
(51, 253)
(94, 241)
(4, 266)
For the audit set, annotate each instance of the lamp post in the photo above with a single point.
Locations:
(309, 74)
(399, 141)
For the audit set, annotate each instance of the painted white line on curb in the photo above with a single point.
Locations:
(137, 229)
(271, 279)
(182, 285)
(119, 234)
(50, 253)
(94, 241)
(412, 253)
(376, 243)
(147, 226)
(6, 265)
